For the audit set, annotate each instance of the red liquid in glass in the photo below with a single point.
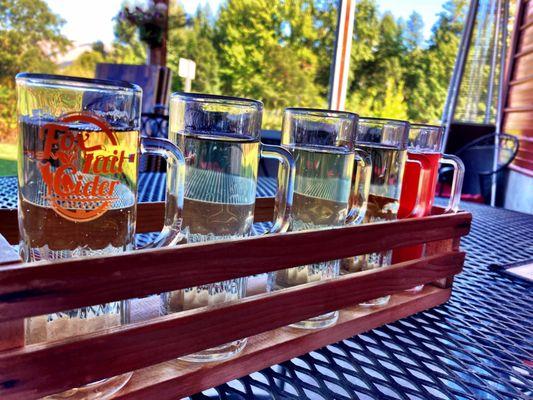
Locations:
(409, 207)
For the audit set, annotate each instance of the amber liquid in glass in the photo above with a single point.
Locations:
(321, 200)
(220, 187)
(81, 198)
(77, 199)
(383, 204)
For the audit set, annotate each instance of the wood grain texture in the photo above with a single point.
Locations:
(30, 290)
(177, 379)
(10, 225)
(149, 217)
(438, 247)
(523, 170)
(518, 86)
(30, 372)
(11, 332)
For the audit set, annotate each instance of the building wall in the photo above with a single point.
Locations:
(518, 111)
(521, 187)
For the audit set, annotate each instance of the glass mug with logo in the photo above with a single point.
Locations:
(424, 156)
(78, 152)
(219, 137)
(326, 191)
(386, 142)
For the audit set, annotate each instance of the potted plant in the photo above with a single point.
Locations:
(151, 24)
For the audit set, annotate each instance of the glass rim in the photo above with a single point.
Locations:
(334, 113)
(216, 98)
(377, 119)
(71, 81)
(412, 125)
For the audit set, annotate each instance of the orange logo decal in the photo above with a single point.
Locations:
(78, 172)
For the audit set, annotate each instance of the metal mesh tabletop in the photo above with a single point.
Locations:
(476, 346)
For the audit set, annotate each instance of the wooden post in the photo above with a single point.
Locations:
(158, 55)
(338, 80)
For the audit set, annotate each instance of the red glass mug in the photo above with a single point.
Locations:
(424, 156)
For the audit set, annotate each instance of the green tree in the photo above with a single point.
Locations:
(413, 33)
(29, 38)
(194, 40)
(429, 75)
(85, 64)
(279, 52)
(272, 51)
(366, 34)
(377, 72)
(324, 28)
(127, 48)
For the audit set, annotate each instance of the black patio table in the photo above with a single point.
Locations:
(476, 346)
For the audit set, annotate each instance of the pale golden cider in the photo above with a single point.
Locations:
(383, 201)
(321, 200)
(220, 188)
(77, 198)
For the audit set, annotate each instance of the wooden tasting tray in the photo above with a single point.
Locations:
(150, 348)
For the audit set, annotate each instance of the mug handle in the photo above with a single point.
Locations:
(284, 195)
(457, 180)
(171, 232)
(360, 188)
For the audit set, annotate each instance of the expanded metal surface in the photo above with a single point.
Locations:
(476, 346)
(8, 192)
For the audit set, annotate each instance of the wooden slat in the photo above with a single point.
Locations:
(264, 209)
(521, 134)
(527, 24)
(517, 109)
(518, 85)
(42, 369)
(520, 96)
(514, 120)
(31, 290)
(520, 125)
(149, 217)
(439, 247)
(523, 66)
(524, 48)
(525, 171)
(521, 81)
(528, 14)
(11, 332)
(175, 379)
(9, 229)
(525, 39)
(524, 161)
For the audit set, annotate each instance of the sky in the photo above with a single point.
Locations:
(90, 21)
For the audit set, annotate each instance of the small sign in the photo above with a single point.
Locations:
(187, 68)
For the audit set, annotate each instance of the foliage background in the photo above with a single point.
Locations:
(279, 52)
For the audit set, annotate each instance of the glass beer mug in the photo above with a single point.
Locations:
(78, 151)
(326, 191)
(219, 137)
(386, 142)
(424, 157)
